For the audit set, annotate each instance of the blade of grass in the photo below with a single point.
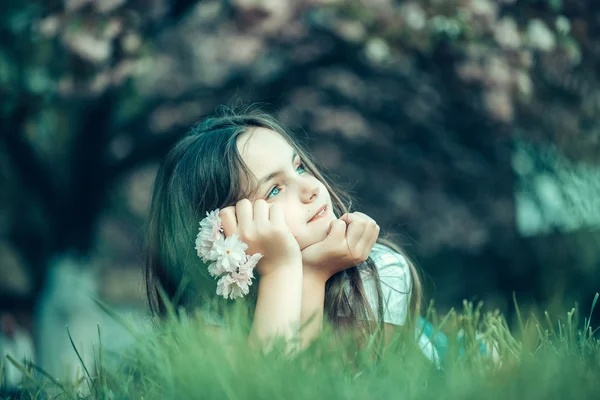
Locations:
(50, 378)
(87, 373)
(118, 318)
(19, 367)
(99, 368)
(445, 320)
(519, 317)
(587, 325)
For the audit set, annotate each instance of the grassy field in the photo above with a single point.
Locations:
(544, 358)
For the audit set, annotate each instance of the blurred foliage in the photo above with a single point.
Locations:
(414, 106)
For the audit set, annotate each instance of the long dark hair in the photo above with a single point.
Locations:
(204, 171)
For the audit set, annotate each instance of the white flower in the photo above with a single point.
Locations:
(229, 252)
(234, 285)
(230, 262)
(238, 282)
(251, 262)
(224, 286)
(210, 231)
(241, 285)
(215, 270)
(211, 227)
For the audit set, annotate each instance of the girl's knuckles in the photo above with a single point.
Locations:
(359, 259)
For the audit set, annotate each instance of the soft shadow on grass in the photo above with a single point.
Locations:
(544, 358)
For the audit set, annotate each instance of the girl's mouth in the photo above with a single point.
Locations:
(320, 214)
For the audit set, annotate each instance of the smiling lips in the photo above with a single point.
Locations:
(320, 213)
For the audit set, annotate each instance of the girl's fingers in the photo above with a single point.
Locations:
(345, 218)
(243, 211)
(337, 232)
(335, 236)
(332, 244)
(355, 216)
(374, 236)
(370, 227)
(361, 235)
(367, 240)
(229, 221)
(355, 232)
(276, 215)
(362, 215)
(261, 211)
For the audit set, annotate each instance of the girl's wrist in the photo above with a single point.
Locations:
(278, 304)
(315, 275)
(289, 266)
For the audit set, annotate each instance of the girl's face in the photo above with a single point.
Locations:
(282, 179)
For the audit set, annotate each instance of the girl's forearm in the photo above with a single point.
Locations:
(277, 312)
(312, 313)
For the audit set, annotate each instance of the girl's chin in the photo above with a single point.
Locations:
(318, 233)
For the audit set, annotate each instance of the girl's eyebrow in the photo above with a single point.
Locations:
(274, 174)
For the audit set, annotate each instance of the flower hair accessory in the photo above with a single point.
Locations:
(227, 257)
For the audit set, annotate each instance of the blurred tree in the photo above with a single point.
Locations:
(414, 103)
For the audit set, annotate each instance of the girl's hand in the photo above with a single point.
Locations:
(348, 243)
(264, 230)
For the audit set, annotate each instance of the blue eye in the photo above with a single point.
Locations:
(277, 189)
(274, 192)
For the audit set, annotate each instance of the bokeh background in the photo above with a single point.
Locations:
(468, 129)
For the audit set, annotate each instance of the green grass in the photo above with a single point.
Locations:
(542, 359)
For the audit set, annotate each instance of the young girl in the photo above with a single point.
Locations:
(319, 259)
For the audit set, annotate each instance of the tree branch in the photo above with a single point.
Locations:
(89, 184)
(29, 167)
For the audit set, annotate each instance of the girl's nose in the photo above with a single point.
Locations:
(309, 190)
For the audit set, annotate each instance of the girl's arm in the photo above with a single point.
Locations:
(277, 312)
(348, 243)
(313, 303)
(263, 229)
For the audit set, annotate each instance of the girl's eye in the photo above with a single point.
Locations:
(274, 192)
(276, 189)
